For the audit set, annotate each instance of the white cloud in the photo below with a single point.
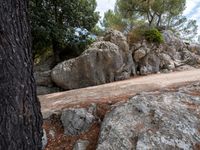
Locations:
(190, 5)
(104, 5)
(192, 11)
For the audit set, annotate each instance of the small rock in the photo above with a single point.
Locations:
(81, 145)
(139, 54)
(52, 133)
(76, 121)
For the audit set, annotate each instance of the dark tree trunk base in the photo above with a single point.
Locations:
(20, 116)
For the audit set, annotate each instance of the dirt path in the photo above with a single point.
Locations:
(114, 92)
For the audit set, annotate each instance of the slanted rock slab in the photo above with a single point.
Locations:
(153, 121)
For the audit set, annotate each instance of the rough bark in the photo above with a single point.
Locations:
(20, 116)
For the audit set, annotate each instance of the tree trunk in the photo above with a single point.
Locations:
(20, 115)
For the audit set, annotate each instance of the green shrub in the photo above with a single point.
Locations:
(153, 35)
(143, 32)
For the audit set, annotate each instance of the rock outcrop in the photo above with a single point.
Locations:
(154, 121)
(111, 59)
(42, 74)
(173, 53)
(103, 62)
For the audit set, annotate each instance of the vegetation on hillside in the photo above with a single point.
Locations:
(161, 14)
(65, 29)
(56, 23)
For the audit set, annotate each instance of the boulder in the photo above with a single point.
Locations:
(102, 63)
(166, 62)
(168, 120)
(139, 54)
(120, 40)
(76, 121)
(149, 64)
(117, 38)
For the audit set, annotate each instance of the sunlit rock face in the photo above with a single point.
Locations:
(103, 62)
(168, 56)
(112, 59)
(168, 120)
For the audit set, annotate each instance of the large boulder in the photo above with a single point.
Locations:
(117, 38)
(154, 121)
(103, 62)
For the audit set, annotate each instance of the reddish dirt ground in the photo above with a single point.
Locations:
(62, 142)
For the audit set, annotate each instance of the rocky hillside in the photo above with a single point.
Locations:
(160, 111)
(111, 58)
(166, 116)
(155, 120)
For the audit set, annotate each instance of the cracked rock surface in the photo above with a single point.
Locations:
(159, 120)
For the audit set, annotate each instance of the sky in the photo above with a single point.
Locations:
(192, 10)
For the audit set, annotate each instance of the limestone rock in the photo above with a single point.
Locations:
(102, 63)
(150, 64)
(139, 54)
(154, 121)
(117, 38)
(81, 145)
(166, 62)
(76, 121)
